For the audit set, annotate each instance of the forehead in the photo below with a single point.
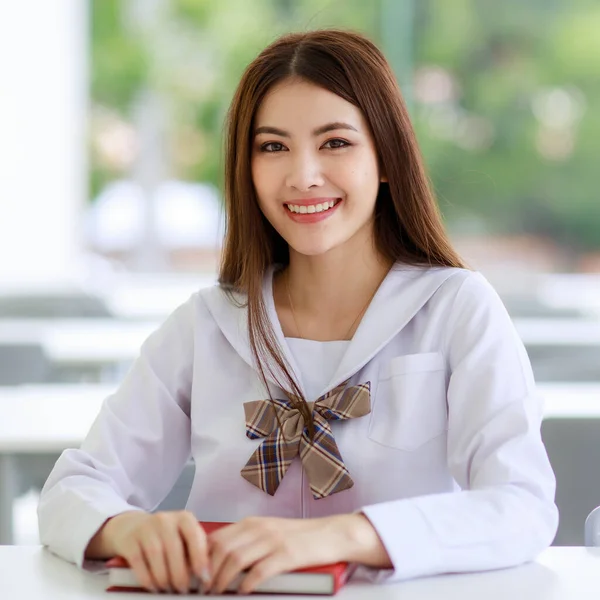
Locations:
(295, 105)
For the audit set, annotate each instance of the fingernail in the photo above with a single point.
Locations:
(205, 576)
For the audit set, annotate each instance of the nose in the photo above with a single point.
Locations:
(304, 172)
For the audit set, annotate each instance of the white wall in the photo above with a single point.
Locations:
(43, 106)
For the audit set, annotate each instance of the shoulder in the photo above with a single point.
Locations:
(466, 286)
(471, 291)
(453, 291)
(471, 308)
(217, 298)
(450, 283)
(195, 311)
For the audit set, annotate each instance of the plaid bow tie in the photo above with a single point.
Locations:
(320, 456)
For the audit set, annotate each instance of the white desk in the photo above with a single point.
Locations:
(579, 291)
(571, 400)
(150, 296)
(80, 341)
(48, 419)
(559, 332)
(558, 574)
(40, 419)
(154, 296)
(106, 341)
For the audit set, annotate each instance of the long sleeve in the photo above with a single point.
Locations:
(504, 513)
(135, 449)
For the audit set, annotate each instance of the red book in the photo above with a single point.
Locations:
(325, 580)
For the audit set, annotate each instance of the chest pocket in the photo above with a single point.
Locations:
(410, 407)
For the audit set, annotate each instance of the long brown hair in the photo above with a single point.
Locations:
(408, 225)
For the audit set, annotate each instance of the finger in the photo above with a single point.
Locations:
(141, 569)
(177, 563)
(154, 554)
(196, 545)
(220, 546)
(272, 565)
(237, 561)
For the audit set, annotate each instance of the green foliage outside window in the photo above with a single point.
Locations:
(505, 96)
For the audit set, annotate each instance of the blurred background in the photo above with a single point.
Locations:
(111, 122)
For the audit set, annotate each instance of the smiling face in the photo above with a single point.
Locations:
(314, 168)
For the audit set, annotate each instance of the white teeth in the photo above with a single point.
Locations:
(303, 209)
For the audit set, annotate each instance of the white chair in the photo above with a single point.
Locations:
(592, 528)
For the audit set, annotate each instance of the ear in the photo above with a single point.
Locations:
(383, 179)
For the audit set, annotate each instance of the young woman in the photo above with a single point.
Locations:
(349, 391)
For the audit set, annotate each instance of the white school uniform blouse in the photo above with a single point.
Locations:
(317, 362)
(449, 466)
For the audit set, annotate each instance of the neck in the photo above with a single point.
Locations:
(329, 291)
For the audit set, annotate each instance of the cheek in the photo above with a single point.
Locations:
(267, 192)
(257, 175)
(260, 182)
(264, 178)
(362, 178)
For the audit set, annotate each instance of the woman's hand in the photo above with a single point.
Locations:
(163, 549)
(268, 546)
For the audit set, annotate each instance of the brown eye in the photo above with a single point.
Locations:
(272, 147)
(336, 143)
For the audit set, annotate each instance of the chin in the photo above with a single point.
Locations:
(313, 249)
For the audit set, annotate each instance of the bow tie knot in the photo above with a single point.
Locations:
(286, 425)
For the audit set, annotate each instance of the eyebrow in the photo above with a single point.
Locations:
(318, 131)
